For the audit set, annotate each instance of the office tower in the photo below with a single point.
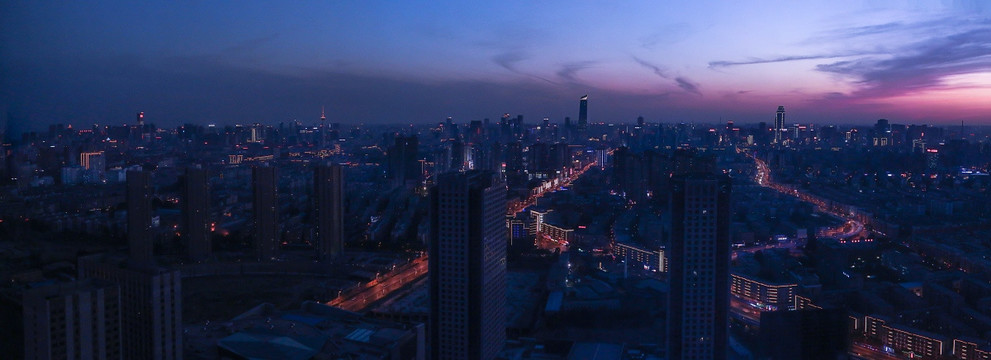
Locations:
(779, 124)
(266, 208)
(467, 266)
(403, 163)
(139, 217)
(457, 158)
(196, 214)
(328, 201)
(150, 306)
(583, 113)
(698, 300)
(76, 320)
(141, 118)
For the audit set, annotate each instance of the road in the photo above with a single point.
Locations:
(532, 199)
(377, 289)
(851, 228)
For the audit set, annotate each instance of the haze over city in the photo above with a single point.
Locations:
(378, 62)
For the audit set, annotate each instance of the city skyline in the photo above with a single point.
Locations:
(372, 63)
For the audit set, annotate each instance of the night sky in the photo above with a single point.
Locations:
(225, 62)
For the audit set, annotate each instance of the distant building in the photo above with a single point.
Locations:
(196, 214)
(779, 124)
(328, 198)
(698, 302)
(266, 211)
(583, 113)
(764, 293)
(467, 266)
(403, 165)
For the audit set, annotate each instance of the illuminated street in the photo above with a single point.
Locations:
(378, 289)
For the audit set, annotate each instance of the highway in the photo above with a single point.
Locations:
(851, 228)
(377, 289)
(532, 199)
(368, 293)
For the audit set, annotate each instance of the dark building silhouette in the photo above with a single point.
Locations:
(150, 306)
(698, 301)
(467, 266)
(803, 334)
(328, 201)
(583, 113)
(266, 211)
(139, 238)
(779, 124)
(196, 214)
(403, 163)
(77, 320)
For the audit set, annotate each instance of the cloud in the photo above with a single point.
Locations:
(569, 71)
(687, 85)
(656, 69)
(681, 81)
(924, 64)
(755, 61)
(508, 60)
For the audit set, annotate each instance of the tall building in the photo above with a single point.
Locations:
(322, 142)
(139, 238)
(467, 266)
(77, 320)
(403, 163)
(266, 211)
(583, 113)
(328, 201)
(196, 214)
(698, 301)
(779, 124)
(150, 306)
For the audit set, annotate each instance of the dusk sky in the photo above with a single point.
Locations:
(225, 62)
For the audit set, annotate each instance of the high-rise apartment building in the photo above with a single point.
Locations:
(328, 201)
(467, 266)
(698, 302)
(139, 239)
(76, 320)
(583, 113)
(196, 214)
(150, 306)
(266, 211)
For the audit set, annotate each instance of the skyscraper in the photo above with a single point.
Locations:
(779, 124)
(139, 217)
(403, 163)
(467, 266)
(196, 214)
(328, 201)
(322, 142)
(266, 210)
(583, 113)
(698, 300)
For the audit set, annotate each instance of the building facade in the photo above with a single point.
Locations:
(467, 266)
(328, 197)
(699, 270)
